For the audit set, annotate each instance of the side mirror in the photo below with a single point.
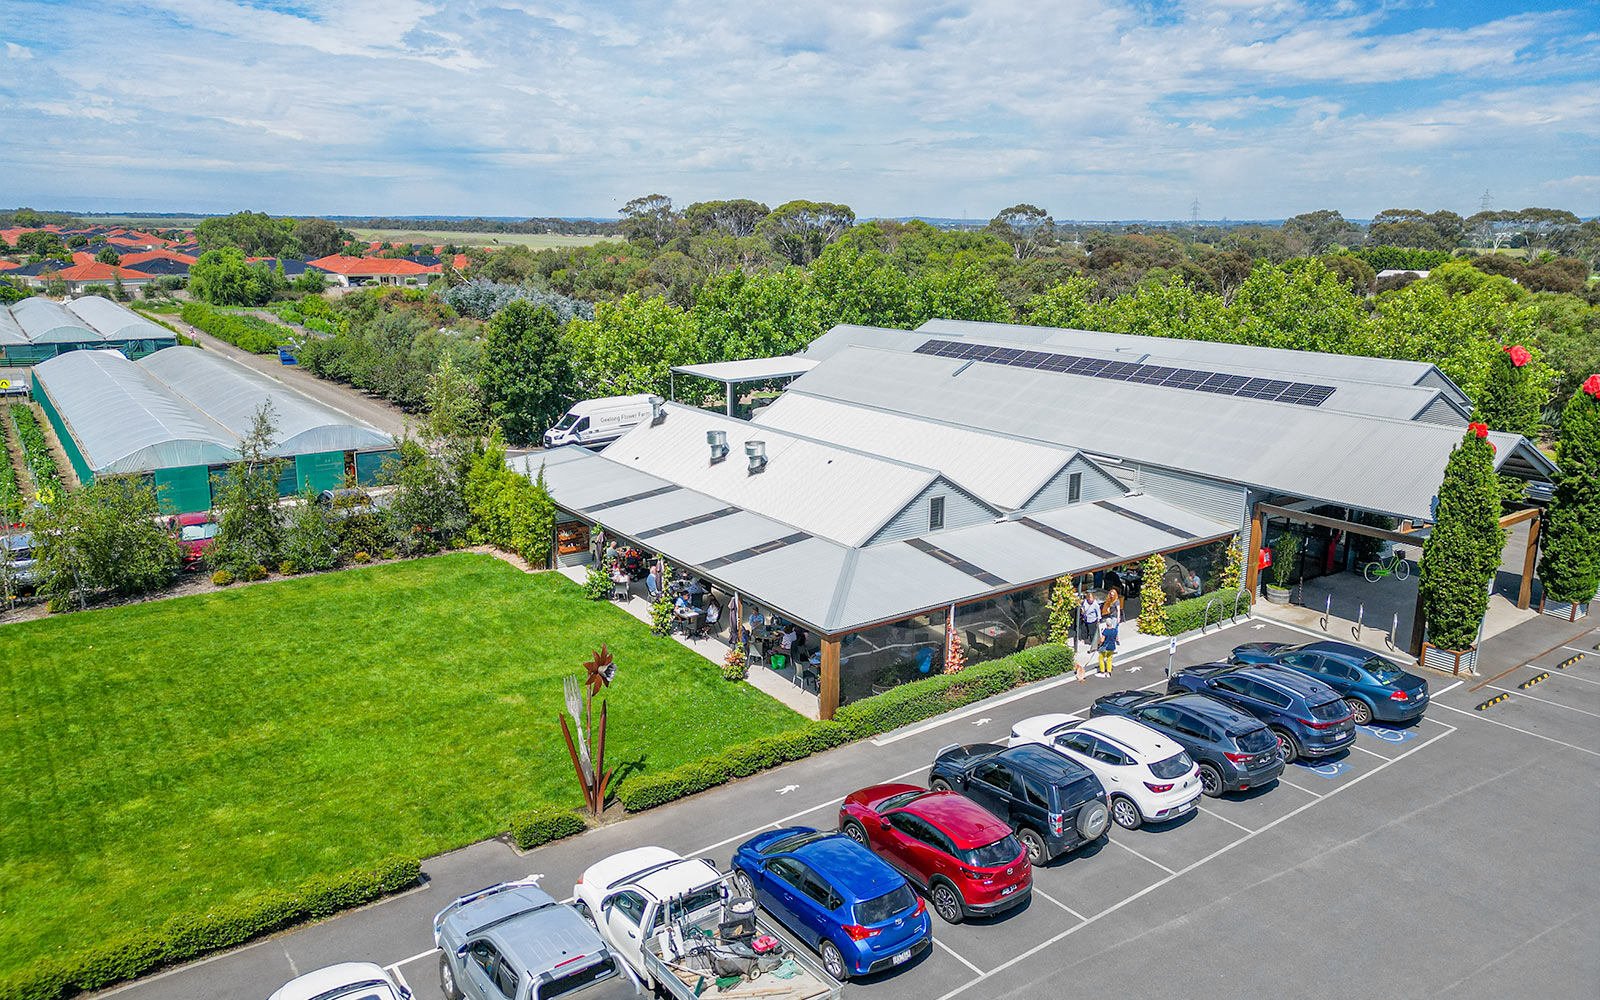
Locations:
(883, 824)
(461, 953)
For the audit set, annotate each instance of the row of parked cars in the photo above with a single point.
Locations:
(964, 847)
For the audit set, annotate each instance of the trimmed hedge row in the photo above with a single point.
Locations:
(1185, 616)
(540, 826)
(902, 706)
(248, 333)
(187, 937)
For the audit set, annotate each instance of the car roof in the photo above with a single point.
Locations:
(324, 981)
(856, 872)
(1210, 708)
(656, 871)
(1285, 680)
(1047, 763)
(1145, 744)
(542, 941)
(965, 822)
(1347, 651)
(471, 918)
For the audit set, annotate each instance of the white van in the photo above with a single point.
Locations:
(595, 422)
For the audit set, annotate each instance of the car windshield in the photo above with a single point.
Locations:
(896, 801)
(876, 911)
(198, 532)
(784, 844)
(993, 855)
(566, 422)
(1175, 766)
(1329, 711)
(1383, 671)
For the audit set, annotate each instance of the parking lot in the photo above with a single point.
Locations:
(1451, 857)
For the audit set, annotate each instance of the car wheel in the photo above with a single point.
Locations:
(743, 886)
(833, 961)
(583, 911)
(1093, 819)
(1038, 854)
(1360, 710)
(1287, 746)
(946, 902)
(855, 831)
(1210, 780)
(939, 785)
(447, 980)
(1126, 813)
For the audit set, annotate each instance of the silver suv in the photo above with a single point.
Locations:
(512, 941)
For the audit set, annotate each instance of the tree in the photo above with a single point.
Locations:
(249, 534)
(1410, 227)
(224, 277)
(737, 218)
(105, 538)
(631, 346)
(1028, 228)
(1511, 400)
(108, 256)
(799, 230)
(527, 371)
(649, 219)
(1569, 563)
(310, 536)
(1152, 597)
(1462, 552)
(1063, 612)
(762, 315)
(319, 237)
(1323, 230)
(508, 510)
(40, 242)
(255, 234)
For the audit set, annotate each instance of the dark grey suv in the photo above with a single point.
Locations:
(1235, 750)
(1055, 804)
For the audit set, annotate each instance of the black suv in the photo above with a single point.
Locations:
(1055, 804)
(1235, 750)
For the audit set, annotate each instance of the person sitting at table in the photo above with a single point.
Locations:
(757, 623)
(713, 612)
(787, 640)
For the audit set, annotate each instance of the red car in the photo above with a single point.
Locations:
(195, 532)
(966, 859)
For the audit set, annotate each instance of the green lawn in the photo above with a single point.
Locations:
(160, 757)
(538, 241)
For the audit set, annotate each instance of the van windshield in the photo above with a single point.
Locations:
(566, 422)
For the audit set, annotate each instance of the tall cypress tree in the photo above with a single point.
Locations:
(1462, 553)
(1569, 564)
(1510, 398)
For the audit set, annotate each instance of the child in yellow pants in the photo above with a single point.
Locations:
(1108, 650)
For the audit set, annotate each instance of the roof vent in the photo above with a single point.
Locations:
(756, 452)
(718, 440)
(658, 411)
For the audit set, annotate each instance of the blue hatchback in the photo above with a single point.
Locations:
(1373, 686)
(1308, 717)
(859, 914)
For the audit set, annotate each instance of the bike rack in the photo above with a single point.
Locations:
(1361, 612)
(1388, 640)
(1327, 614)
(1205, 620)
(1237, 597)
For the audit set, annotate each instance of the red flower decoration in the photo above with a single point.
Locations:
(1591, 385)
(1482, 430)
(1519, 355)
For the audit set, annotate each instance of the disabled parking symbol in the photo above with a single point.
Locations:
(1389, 735)
(1325, 768)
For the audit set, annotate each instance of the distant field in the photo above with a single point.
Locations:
(538, 241)
(145, 221)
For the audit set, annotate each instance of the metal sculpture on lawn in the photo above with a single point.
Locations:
(592, 773)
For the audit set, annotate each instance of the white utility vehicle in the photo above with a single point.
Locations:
(595, 422)
(670, 920)
(1148, 777)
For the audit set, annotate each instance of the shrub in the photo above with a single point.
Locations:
(288, 567)
(661, 614)
(190, 936)
(906, 704)
(1569, 565)
(222, 578)
(735, 667)
(362, 557)
(35, 450)
(254, 573)
(597, 585)
(1187, 615)
(540, 826)
(248, 333)
(1285, 560)
(1153, 597)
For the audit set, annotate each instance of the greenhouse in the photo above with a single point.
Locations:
(37, 329)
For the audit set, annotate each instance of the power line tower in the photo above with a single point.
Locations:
(1486, 203)
(1194, 214)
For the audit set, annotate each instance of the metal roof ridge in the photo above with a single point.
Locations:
(808, 439)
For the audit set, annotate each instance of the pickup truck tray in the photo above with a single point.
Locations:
(810, 983)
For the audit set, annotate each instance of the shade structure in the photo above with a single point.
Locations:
(47, 322)
(115, 322)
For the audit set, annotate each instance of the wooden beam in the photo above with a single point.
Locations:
(1525, 595)
(1340, 524)
(1252, 554)
(1517, 517)
(828, 681)
(1419, 626)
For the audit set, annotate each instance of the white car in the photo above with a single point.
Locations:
(345, 981)
(1148, 777)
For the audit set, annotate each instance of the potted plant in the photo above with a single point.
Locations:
(1285, 558)
(1461, 555)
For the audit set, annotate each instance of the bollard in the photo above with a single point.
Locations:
(1327, 613)
(1361, 611)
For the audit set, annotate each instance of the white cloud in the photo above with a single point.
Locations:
(15, 51)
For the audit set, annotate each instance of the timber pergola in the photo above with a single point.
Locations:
(1263, 511)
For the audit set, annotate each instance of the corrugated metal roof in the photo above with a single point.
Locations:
(231, 394)
(998, 469)
(1369, 463)
(124, 420)
(10, 330)
(116, 322)
(1343, 366)
(47, 322)
(749, 370)
(825, 489)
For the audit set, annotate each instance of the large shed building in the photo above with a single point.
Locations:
(37, 329)
(178, 417)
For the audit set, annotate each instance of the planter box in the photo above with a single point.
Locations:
(1564, 610)
(1278, 595)
(1456, 661)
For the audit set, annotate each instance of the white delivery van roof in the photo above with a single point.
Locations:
(639, 400)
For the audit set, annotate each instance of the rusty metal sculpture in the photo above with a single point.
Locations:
(580, 695)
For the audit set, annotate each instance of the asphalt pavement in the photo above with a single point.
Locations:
(1453, 857)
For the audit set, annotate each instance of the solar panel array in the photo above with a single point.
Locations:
(1272, 389)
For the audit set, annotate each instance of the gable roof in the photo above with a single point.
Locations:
(362, 266)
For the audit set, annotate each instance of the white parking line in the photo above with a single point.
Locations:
(1046, 896)
(1191, 867)
(1226, 820)
(1286, 781)
(1449, 689)
(1575, 649)
(1544, 701)
(955, 955)
(1142, 857)
(1538, 736)
(1370, 753)
(396, 973)
(419, 956)
(792, 816)
(1569, 676)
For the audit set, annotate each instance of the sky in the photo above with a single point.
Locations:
(1092, 109)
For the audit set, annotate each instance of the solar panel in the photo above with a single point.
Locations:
(1221, 383)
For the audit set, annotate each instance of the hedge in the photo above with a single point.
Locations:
(540, 826)
(1185, 616)
(901, 706)
(248, 333)
(188, 937)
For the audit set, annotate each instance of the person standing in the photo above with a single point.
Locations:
(1108, 646)
(1089, 620)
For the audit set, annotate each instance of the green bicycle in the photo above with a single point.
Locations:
(1396, 567)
